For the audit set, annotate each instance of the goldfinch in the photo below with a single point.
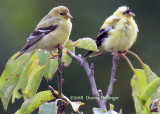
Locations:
(117, 34)
(53, 29)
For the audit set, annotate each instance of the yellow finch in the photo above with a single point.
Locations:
(53, 29)
(117, 34)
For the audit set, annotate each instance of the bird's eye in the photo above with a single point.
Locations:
(127, 12)
(62, 13)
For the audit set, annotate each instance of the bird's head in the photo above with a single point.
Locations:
(124, 11)
(61, 12)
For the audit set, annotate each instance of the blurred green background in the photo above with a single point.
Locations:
(18, 19)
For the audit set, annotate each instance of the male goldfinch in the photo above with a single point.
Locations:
(117, 34)
(53, 29)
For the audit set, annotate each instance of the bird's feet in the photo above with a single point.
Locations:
(53, 56)
(120, 53)
(123, 52)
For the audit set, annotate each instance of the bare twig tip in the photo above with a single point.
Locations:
(52, 91)
(100, 93)
(79, 55)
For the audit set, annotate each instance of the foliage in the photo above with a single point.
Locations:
(48, 108)
(145, 85)
(21, 78)
(86, 43)
(110, 111)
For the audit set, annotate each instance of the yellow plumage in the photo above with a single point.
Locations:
(118, 33)
(53, 29)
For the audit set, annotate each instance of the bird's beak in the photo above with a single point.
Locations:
(131, 14)
(69, 15)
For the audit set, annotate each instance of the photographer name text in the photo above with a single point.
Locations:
(92, 98)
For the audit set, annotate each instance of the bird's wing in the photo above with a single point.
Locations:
(108, 25)
(103, 34)
(37, 34)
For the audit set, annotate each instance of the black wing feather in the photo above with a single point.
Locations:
(35, 36)
(102, 35)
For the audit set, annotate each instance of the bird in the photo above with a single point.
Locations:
(53, 29)
(117, 34)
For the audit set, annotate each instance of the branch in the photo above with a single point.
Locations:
(137, 57)
(129, 62)
(60, 104)
(59, 71)
(90, 73)
(52, 91)
(112, 80)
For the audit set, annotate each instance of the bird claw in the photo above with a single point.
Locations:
(54, 56)
(120, 53)
(123, 52)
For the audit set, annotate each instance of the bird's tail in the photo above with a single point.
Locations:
(93, 54)
(21, 53)
(87, 54)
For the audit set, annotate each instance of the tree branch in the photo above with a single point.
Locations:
(90, 73)
(52, 91)
(59, 70)
(60, 104)
(112, 80)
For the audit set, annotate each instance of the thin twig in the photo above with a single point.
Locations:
(129, 62)
(138, 58)
(112, 80)
(52, 91)
(90, 73)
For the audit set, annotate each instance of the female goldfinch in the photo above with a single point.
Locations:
(117, 34)
(53, 29)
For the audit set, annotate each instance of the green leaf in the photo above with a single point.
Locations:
(111, 111)
(22, 83)
(150, 77)
(111, 107)
(69, 46)
(142, 91)
(141, 79)
(37, 100)
(51, 67)
(43, 57)
(48, 108)
(150, 89)
(10, 76)
(99, 111)
(138, 83)
(86, 43)
(144, 108)
(33, 82)
(66, 58)
(75, 105)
